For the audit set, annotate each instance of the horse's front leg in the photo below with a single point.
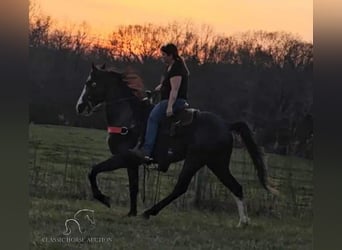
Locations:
(113, 163)
(133, 177)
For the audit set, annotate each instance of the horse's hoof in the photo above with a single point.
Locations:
(243, 223)
(103, 199)
(145, 215)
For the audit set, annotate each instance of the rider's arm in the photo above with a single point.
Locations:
(175, 84)
(160, 84)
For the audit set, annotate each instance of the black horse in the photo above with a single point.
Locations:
(206, 141)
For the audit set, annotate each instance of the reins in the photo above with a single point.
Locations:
(156, 188)
(124, 99)
(157, 192)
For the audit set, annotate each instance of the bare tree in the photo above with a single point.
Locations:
(61, 40)
(39, 29)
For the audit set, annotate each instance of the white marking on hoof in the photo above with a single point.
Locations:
(244, 220)
(243, 223)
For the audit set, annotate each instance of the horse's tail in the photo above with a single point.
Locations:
(254, 151)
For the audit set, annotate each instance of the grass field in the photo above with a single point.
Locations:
(60, 158)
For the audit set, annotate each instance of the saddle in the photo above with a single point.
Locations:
(182, 118)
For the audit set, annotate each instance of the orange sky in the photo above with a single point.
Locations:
(225, 16)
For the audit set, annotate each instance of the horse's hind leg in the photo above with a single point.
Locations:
(220, 167)
(190, 167)
(115, 162)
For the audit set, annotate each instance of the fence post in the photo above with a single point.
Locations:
(66, 167)
(198, 185)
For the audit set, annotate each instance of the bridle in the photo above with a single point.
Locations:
(124, 99)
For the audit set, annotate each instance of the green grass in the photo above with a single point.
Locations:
(60, 158)
(170, 230)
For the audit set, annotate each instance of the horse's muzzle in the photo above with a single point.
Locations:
(82, 108)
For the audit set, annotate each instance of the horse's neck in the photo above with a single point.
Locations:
(118, 114)
(124, 112)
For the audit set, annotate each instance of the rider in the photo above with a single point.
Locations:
(173, 89)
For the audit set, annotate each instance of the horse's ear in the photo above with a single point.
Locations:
(103, 66)
(93, 66)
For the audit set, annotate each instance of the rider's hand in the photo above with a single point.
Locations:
(169, 112)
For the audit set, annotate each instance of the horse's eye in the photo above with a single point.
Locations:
(93, 84)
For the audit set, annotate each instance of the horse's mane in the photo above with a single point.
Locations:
(132, 80)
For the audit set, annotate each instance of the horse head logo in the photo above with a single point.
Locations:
(86, 214)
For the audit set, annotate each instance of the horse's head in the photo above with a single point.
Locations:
(96, 90)
(87, 214)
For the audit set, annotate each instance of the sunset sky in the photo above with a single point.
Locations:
(225, 16)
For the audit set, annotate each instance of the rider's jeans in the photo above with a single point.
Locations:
(157, 113)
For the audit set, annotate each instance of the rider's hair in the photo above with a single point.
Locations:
(171, 49)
